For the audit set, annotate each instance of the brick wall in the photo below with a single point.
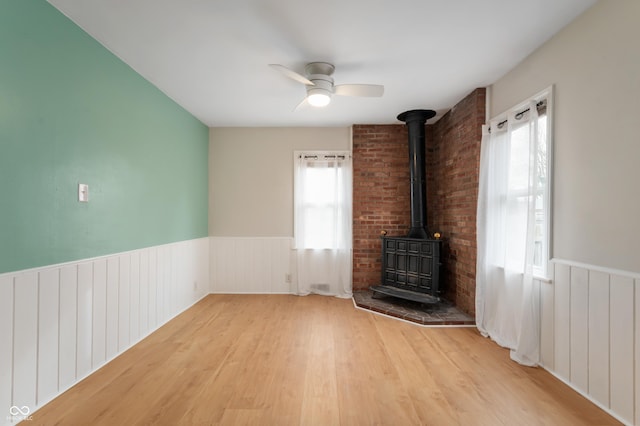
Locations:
(453, 161)
(381, 194)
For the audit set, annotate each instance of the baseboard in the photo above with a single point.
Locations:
(593, 401)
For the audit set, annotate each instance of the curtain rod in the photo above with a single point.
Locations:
(518, 116)
(315, 157)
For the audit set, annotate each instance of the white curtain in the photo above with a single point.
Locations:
(322, 223)
(507, 300)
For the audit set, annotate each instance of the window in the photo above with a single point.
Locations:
(518, 187)
(529, 139)
(322, 200)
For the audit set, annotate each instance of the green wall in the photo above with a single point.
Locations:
(71, 112)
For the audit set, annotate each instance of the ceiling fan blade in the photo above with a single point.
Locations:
(303, 104)
(292, 74)
(364, 90)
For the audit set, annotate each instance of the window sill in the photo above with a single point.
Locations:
(542, 278)
(537, 275)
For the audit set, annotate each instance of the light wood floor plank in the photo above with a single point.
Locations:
(288, 360)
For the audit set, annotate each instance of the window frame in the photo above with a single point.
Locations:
(541, 272)
(327, 155)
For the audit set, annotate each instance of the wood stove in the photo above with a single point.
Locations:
(411, 264)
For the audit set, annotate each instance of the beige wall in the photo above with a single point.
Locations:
(594, 64)
(251, 176)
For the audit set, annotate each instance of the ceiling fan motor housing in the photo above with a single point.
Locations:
(323, 68)
(319, 73)
(322, 84)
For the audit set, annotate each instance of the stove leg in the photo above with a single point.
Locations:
(377, 295)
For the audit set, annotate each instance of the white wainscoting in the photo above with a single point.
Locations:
(252, 265)
(590, 334)
(60, 323)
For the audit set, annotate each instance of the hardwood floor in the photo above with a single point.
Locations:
(289, 360)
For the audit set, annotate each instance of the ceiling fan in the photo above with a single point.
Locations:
(320, 87)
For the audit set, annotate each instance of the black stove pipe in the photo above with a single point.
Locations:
(415, 121)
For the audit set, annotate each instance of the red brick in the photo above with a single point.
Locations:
(381, 197)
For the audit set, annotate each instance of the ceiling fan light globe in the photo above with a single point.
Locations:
(318, 99)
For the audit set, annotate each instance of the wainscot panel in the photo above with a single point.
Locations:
(590, 334)
(252, 265)
(68, 320)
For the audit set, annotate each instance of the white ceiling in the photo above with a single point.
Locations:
(212, 56)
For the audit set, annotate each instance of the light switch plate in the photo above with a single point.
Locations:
(83, 192)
